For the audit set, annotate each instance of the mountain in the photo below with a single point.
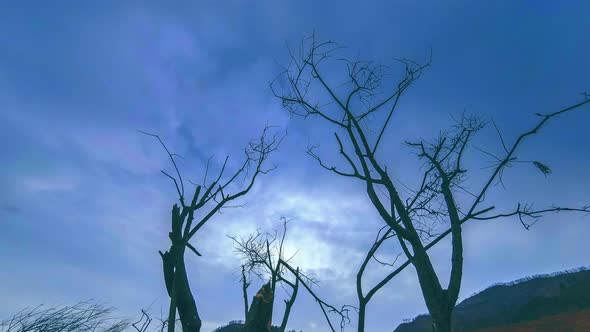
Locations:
(236, 326)
(570, 321)
(524, 300)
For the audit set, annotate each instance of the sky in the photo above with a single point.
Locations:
(84, 208)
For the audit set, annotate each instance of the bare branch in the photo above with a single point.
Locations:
(527, 212)
(171, 155)
(512, 150)
(325, 307)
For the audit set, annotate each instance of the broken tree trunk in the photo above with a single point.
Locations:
(259, 317)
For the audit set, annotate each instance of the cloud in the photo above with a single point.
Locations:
(88, 209)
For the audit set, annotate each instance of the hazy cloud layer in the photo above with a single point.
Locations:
(84, 209)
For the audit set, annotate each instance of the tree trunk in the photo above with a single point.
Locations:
(442, 322)
(172, 314)
(245, 285)
(362, 311)
(185, 302)
(179, 291)
(283, 326)
(289, 304)
(259, 315)
(273, 285)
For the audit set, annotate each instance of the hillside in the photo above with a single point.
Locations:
(524, 300)
(236, 326)
(578, 321)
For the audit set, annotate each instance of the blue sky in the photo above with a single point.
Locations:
(84, 209)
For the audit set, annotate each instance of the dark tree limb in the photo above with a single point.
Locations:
(263, 255)
(203, 206)
(411, 218)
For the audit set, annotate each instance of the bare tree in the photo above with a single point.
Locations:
(360, 110)
(262, 255)
(82, 317)
(208, 199)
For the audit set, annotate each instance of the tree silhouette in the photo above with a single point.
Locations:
(262, 254)
(360, 110)
(187, 219)
(82, 317)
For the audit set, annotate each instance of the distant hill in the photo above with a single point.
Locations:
(524, 300)
(570, 321)
(236, 326)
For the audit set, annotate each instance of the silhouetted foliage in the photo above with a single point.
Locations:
(81, 317)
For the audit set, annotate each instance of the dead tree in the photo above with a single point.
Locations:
(208, 199)
(361, 110)
(262, 254)
(259, 317)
